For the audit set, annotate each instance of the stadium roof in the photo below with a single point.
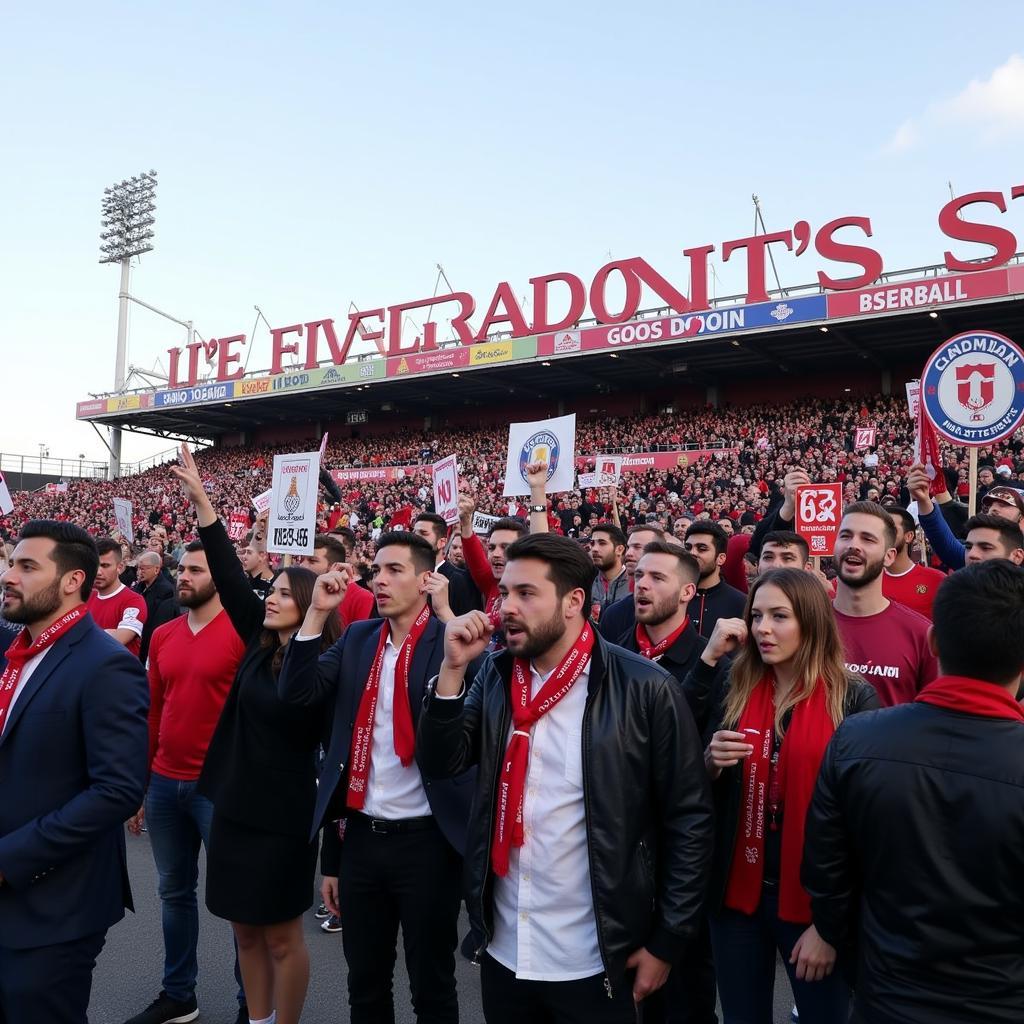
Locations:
(862, 341)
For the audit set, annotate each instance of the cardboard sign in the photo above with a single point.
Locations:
(819, 508)
(608, 469)
(262, 501)
(913, 397)
(588, 480)
(123, 517)
(863, 437)
(552, 441)
(6, 502)
(446, 489)
(293, 500)
(482, 522)
(238, 525)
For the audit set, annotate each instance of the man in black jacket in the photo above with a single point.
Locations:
(462, 593)
(157, 590)
(589, 848)
(665, 581)
(404, 833)
(715, 599)
(913, 854)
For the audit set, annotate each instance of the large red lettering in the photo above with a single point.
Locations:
(828, 248)
(512, 314)
(632, 300)
(953, 225)
(278, 348)
(459, 323)
(173, 358)
(225, 357)
(355, 323)
(757, 248)
(665, 291)
(698, 258)
(577, 302)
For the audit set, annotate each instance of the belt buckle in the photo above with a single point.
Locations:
(382, 830)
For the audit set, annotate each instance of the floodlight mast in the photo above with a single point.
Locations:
(127, 220)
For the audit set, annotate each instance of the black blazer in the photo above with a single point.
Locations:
(311, 680)
(260, 768)
(73, 768)
(462, 594)
(682, 661)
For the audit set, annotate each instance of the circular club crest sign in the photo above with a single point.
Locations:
(973, 388)
(541, 447)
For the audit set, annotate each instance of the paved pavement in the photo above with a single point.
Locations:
(128, 973)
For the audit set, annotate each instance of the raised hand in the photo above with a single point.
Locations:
(793, 479)
(436, 586)
(467, 506)
(727, 636)
(330, 587)
(192, 484)
(537, 477)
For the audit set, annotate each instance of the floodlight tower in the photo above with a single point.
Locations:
(127, 219)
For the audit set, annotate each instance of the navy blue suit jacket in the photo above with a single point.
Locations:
(73, 768)
(340, 674)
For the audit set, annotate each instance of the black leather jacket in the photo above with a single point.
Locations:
(648, 807)
(914, 857)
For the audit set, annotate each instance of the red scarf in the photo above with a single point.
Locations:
(972, 697)
(508, 814)
(803, 747)
(22, 649)
(652, 650)
(401, 711)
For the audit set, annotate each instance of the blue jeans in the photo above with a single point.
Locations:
(745, 947)
(178, 820)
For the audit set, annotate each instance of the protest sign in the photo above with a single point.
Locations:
(6, 502)
(819, 508)
(446, 489)
(123, 516)
(238, 525)
(482, 522)
(863, 437)
(292, 525)
(552, 441)
(262, 502)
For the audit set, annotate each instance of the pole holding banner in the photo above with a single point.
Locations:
(972, 481)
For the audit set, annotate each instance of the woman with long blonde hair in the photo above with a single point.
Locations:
(787, 692)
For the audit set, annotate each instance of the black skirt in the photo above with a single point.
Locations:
(256, 877)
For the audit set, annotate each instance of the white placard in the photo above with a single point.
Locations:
(262, 501)
(446, 489)
(607, 470)
(913, 397)
(293, 494)
(123, 515)
(587, 480)
(6, 501)
(552, 441)
(482, 522)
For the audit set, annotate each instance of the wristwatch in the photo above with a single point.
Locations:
(538, 508)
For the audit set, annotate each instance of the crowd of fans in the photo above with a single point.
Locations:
(753, 448)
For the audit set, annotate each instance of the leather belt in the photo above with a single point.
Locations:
(397, 827)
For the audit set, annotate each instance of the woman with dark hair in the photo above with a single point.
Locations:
(786, 694)
(260, 774)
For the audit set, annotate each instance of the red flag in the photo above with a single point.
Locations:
(926, 450)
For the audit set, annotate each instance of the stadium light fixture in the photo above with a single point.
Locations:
(824, 330)
(127, 220)
(934, 315)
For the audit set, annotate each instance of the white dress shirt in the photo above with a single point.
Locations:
(392, 791)
(544, 925)
(26, 673)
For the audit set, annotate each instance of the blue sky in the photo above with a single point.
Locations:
(310, 156)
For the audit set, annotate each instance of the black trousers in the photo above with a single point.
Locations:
(689, 996)
(510, 1000)
(48, 984)
(413, 880)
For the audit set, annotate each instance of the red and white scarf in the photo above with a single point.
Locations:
(508, 814)
(23, 649)
(803, 747)
(652, 650)
(401, 711)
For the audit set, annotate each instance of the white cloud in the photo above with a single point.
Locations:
(991, 109)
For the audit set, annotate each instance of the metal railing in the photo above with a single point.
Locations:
(46, 465)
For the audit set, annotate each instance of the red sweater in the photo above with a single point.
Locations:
(190, 675)
(483, 577)
(356, 605)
